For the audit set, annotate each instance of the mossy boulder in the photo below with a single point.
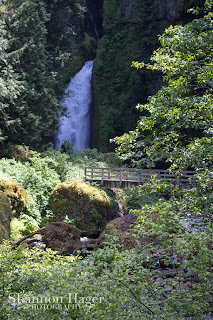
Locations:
(5, 216)
(89, 207)
(122, 229)
(62, 237)
(16, 194)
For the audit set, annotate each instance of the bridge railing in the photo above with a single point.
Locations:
(134, 176)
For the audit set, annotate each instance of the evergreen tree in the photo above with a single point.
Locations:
(37, 107)
(10, 88)
(40, 41)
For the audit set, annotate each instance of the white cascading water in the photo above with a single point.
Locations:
(76, 128)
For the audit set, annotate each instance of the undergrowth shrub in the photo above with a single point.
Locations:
(36, 178)
(40, 173)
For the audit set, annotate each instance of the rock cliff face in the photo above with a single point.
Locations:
(126, 6)
(95, 11)
(130, 29)
(172, 10)
(71, 33)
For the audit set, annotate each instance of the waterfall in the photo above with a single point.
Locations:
(76, 127)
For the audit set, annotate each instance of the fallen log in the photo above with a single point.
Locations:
(28, 236)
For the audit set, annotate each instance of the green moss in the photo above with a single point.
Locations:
(70, 68)
(5, 216)
(124, 41)
(122, 229)
(17, 196)
(130, 34)
(112, 10)
(89, 45)
(88, 206)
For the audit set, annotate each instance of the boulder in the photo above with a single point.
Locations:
(89, 207)
(61, 237)
(5, 216)
(16, 194)
(122, 228)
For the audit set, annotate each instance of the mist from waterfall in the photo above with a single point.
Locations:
(76, 128)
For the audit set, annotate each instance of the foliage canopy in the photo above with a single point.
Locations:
(176, 124)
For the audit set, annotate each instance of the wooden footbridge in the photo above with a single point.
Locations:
(127, 177)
